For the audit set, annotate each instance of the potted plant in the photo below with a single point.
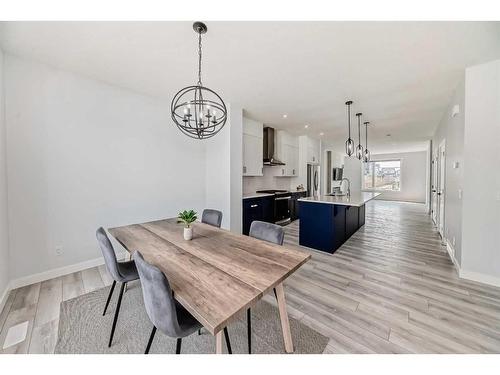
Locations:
(187, 217)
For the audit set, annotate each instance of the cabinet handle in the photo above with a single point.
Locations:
(282, 171)
(293, 171)
(314, 159)
(244, 169)
(254, 205)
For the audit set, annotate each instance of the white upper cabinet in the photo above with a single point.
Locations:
(287, 150)
(253, 138)
(313, 151)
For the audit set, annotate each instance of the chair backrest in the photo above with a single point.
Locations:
(158, 299)
(108, 253)
(267, 232)
(212, 217)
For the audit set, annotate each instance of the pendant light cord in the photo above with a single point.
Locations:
(359, 131)
(366, 135)
(199, 58)
(349, 118)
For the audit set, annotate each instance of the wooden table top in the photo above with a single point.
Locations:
(218, 273)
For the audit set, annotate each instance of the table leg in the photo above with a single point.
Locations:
(218, 342)
(285, 324)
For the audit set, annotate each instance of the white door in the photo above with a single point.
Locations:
(441, 187)
(434, 196)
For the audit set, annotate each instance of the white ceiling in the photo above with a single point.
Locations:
(401, 75)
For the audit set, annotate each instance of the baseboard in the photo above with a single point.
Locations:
(451, 252)
(479, 277)
(61, 271)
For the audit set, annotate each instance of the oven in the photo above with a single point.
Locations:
(282, 208)
(282, 202)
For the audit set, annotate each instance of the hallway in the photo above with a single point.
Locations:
(392, 288)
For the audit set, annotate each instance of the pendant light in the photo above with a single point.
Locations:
(359, 147)
(198, 111)
(349, 144)
(366, 155)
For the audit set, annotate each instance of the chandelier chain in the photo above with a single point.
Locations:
(199, 58)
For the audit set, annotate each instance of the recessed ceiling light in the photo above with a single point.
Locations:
(306, 126)
(285, 116)
(321, 133)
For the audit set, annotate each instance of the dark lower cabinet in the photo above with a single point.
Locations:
(351, 220)
(326, 226)
(294, 204)
(361, 215)
(261, 209)
(339, 223)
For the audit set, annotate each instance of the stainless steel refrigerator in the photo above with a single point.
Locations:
(312, 180)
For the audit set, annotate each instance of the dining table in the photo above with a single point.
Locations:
(218, 274)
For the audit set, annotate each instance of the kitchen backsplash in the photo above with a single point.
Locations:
(268, 181)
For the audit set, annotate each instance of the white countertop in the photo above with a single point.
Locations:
(357, 198)
(256, 195)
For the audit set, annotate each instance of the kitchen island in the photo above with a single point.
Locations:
(326, 221)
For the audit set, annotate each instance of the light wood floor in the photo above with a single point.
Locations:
(390, 289)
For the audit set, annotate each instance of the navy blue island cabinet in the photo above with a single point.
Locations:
(325, 224)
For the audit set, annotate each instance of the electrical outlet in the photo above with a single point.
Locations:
(59, 250)
(459, 193)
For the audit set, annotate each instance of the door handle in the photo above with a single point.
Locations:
(254, 205)
(282, 199)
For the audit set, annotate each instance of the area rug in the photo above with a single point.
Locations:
(83, 329)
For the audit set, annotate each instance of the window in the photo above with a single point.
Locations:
(382, 175)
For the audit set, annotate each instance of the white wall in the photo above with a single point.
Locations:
(414, 170)
(4, 237)
(451, 129)
(83, 154)
(481, 203)
(224, 158)
(236, 155)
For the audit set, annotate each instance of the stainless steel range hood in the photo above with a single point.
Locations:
(269, 158)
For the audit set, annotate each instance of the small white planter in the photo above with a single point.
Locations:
(188, 233)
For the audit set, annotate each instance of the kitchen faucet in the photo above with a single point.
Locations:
(348, 185)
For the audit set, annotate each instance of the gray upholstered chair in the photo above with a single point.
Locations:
(212, 217)
(121, 272)
(166, 314)
(266, 232)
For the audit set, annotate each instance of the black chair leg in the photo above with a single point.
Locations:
(178, 346)
(249, 331)
(274, 290)
(199, 332)
(151, 337)
(109, 297)
(228, 343)
(116, 314)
